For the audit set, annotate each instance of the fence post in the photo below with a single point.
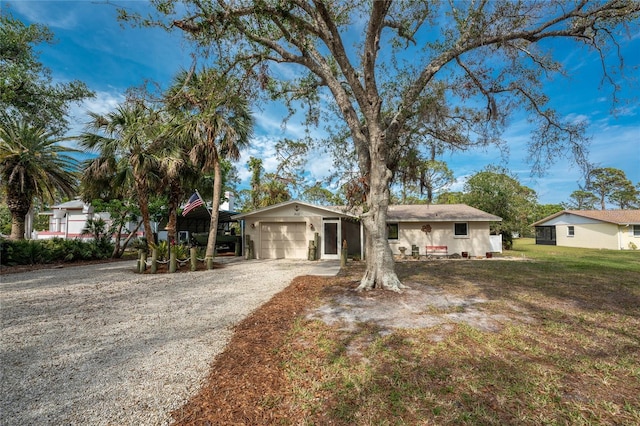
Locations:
(142, 260)
(154, 260)
(194, 259)
(249, 249)
(173, 263)
(312, 251)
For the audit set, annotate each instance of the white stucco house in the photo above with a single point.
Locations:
(67, 220)
(285, 230)
(600, 229)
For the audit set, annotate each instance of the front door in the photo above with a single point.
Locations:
(331, 239)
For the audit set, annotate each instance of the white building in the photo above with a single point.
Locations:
(67, 220)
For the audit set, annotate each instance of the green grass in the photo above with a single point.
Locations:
(570, 353)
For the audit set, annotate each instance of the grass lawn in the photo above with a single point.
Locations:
(543, 335)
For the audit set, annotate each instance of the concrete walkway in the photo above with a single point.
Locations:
(325, 268)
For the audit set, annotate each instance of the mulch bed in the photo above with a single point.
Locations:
(246, 384)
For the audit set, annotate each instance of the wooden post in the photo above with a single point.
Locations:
(154, 260)
(247, 250)
(194, 258)
(312, 251)
(173, 262)
(344, 254)
(142, 261)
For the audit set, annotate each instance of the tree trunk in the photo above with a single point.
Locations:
(126, 242)
(215, 207)
(380, 271)
(144, 211)
(117, 253)
(174, 196)
(19, 205)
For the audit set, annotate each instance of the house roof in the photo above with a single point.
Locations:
(439, 213)
(402, 213)
(619, 217)
(331, 210)
(70, 205)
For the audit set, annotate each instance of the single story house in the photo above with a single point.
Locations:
(601, 229)
(285, 230)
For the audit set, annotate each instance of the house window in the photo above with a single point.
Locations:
(571, 231)
(392, 231)
(636, 230)
(461, 229)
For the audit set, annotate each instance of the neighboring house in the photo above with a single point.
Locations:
(285, 230)
(458, 227)
(602, 229)
(67, 220)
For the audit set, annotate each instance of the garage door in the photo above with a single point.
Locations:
(283, 240)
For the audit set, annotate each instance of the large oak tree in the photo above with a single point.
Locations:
(463, 66)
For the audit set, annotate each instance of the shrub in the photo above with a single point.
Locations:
(163, 249)
(30, 252)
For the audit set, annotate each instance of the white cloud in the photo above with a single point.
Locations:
(37, 11)
(103, 103)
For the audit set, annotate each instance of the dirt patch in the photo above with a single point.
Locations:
(418, 307)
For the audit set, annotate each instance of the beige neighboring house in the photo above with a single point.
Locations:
(601, 229)
(285, 230)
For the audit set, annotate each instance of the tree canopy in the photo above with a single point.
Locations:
(26, 88)
(460, 67)
(32, 164)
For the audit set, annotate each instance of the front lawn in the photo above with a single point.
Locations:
(543, 335)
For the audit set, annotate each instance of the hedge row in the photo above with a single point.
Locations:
(31, 252)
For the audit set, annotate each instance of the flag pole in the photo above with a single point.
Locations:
(205, 204)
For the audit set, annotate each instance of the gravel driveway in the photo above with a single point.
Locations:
(102, 345)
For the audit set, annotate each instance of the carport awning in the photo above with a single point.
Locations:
(200, 215)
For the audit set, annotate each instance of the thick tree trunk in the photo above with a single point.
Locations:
(380, 271)
(215, 207)
(17, 225)
(19, 205)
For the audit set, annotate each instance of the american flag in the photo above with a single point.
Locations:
(194, 201)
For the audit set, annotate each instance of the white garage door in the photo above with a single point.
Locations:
(283, 240)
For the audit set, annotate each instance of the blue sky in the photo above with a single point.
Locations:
(93, 47)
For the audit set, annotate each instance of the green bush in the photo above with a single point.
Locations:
(30, 252)
(163, 249)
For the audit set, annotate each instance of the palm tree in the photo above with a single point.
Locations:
(32, 164)
(126, 141)
(178, 173)
(215, 123)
